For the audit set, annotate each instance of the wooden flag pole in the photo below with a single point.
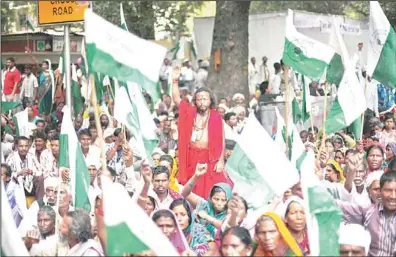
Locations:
(97, 123)
(286, 74)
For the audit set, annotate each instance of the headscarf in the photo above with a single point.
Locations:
(197, 235)
(238, 95)
(338, 169)
(373, 176)
(177, 239)
(393, 148)
(209, 208)
(285, 234)
(356, 235)
(285, 205)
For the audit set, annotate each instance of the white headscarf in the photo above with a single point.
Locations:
(283, 208)
(373, 176)
(356, 235)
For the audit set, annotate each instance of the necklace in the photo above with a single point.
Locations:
(198, 129)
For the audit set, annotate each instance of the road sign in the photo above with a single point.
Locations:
(56, 12)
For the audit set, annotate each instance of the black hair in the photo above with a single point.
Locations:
(164, 213)
(46, 62)
(84, 132)
(263, 87)
(159, 170)
(22, 138)
(277, 66)
(11, 59)
(240, 232)
(388, 116)
(112, 171)
(55, 137)
(41, 135)
(156, 121)
(373, 147)
(38, 121)
(339, 151)
(167, 158)
(216, 189)
(245, 204)
(211, 96)
(49, 127)
(92, 126)
(118, 131)
(186, 206)
(152, 200)
(314, 129)
(389, 176)
(8, 170)
(329, 140)
(228, 115)
(288, 207)
(28, 66)
(302, 132)
(164, 113)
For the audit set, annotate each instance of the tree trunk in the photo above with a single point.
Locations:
(231, 37)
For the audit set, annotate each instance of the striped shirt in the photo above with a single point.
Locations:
(382, 226)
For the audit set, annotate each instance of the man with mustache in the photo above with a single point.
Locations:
(201, 138)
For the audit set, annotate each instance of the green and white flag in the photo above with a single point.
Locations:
(259, 179)
(381, 61)
(21, 120)
(296, 111)
(322, 214)
(305, 55)
(130, 109)
(296, 147)
(179, 49)
(61, 67)
(78, 102)
(123, 22)
(71, 157)
(117, 53)
(128, 228)
(7, 106)
(11, 244)
(350, 102)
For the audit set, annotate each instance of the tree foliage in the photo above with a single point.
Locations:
(143, 16)
(352, 9)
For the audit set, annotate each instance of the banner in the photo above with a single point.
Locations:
(345, 29)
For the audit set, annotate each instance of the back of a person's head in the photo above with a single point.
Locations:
(228, 115)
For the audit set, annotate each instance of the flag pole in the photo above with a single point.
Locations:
(365, 91)
(286, 74)
(97, 123)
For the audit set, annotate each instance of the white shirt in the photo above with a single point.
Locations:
(28, 85)
(201, 77)
(362, 199)
(230, 133)
(275, 84)
(264, 73)
(254, 74)
(372, 96)
(186, 74)
(165, 71)
(45, 247)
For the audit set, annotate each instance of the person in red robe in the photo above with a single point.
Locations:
(201, 140)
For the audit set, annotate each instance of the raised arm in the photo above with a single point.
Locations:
(200, 170)
(175, 86)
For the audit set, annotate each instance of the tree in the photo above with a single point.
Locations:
(142, 17)
(231, 38)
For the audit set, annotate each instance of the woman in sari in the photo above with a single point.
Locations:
(273, 238)
(293, 214)
(236, 241)
(334, 173)
(46, 90)
(211, 212)
(390, 155)
(167, 222)
(375, 158)
(197, 236)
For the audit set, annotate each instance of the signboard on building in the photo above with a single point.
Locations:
(58, 12)
(75, 45)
